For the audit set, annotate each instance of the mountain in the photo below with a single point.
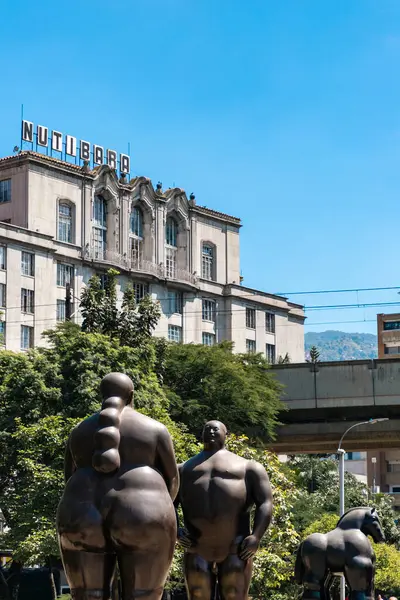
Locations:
(338, 345)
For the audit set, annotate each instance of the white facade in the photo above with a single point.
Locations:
(61, 223)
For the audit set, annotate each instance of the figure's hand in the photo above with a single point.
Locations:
(249, 547)
(184, 538)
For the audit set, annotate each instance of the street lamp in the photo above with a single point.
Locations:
(341, 453)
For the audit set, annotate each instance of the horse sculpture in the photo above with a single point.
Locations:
(345, 550)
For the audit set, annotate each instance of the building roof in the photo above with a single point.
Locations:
(78, 169)
(50, 159)
(215, 213)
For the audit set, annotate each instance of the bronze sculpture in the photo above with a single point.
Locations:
(346, 550)
(121, 480)
(217, 491)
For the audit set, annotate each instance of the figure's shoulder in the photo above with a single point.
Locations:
(233, 458)
(191, 462)
(256, 469)
(143, 420)
(86, 426)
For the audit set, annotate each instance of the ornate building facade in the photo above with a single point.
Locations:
(60, 223)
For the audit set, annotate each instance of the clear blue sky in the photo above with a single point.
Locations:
(283, 112)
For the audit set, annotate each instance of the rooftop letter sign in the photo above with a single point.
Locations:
(68, 145)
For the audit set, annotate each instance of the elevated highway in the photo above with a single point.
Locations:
(323, 399)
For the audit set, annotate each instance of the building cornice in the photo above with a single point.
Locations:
(209, 212)
(261, 298)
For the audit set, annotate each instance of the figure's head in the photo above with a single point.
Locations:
(117, 384)
(372, 526)
(214, 435)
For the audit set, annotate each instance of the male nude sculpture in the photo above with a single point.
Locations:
(121, 480)
(217, 491)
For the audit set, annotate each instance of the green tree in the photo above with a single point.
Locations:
(133, 324)
(314, 355)
(42, 393)
(205, 383)
(318, 481)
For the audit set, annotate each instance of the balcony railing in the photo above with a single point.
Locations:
(141, 265)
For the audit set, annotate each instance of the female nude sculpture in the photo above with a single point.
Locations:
(121, 480)
(217, 491)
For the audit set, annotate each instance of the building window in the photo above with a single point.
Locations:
(174, 333)
(250, 346)
(2, 333)
(27, 301)
(392, 349)
(99, 240)
(2, 295)
(208, 339)
(136, 235)
(2, 257)
(171, 233)
(270, 353)
(5, 191)
(393, 467)
(65, 222)
(28, 264)
(269, 323)
(60, 310)
(175, 302)
(251, 318)
(395, 489)
(26, 337)
(65, 274)
(208, 310)
(141, 290)
(207, 262)
(353, 456)
(171, 241)
(391, 325)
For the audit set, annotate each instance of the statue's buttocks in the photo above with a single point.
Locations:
(121, 480)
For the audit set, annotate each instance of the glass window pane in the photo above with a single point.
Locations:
(207, 262)
(136, 222)
(5, 190)
(2, 257)
(208, 339)
(174, 333)
(65, 222)
(251, 318)
(171, 232)
(27, 264)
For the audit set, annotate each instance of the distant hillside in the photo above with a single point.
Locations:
(338, 345)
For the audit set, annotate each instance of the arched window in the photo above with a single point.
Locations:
(207, 261)
(171, 247)
(65, 224)
(99, 230)
(136, 235)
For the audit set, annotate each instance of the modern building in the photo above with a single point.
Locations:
(384, 466)
(388, 335)
(60, 223)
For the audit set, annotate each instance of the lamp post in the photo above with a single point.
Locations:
(341, 453)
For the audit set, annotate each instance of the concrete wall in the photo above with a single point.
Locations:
(340, 384)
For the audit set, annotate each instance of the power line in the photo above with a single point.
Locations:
(350, 306)
(373, 289)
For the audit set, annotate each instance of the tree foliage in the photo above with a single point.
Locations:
(132, 324)
(204, 383)
(318, 482)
